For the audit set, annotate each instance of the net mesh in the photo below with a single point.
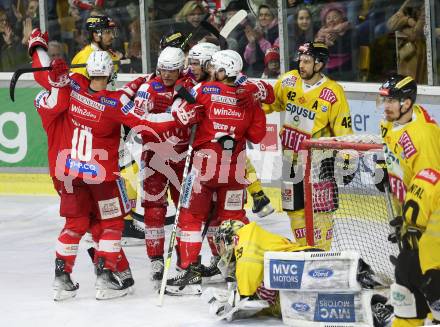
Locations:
(349, 203)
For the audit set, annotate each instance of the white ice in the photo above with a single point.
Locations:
(29, 226)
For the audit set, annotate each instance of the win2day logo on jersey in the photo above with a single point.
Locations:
(285, 274)
(223, 111)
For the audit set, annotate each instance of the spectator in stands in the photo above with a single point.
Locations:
(55, 50)
(260, 38)
(299, 30)
(271, 63)
(134, 50)
(336, 34)
(408, 23)
(13, 50)
(189, 18)
(237, 39)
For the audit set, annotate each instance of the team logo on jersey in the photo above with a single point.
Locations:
(429, 175)
(324, 108)
(407, 144)
(108, 101)
(87, 101)
(223, 99)
(328, 95)
(142, 94)
(127, 107)
(39, 97)
(210, 90)
(74, 85)
(158, 87)
(289, 81)
(225, 112)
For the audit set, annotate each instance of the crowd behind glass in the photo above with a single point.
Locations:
(366, 38)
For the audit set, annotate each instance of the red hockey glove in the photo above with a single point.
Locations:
(186, 114)
(265, 92)
(246, 95)
(37, 39)
(131, 87)
(59, 74)
(160, 102)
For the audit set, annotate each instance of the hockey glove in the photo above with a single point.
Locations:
(397, 224)
(59, 73)
(160, 102)
(265, 92)
(186, 114)
(131, 87)
(247, 95)
(37, 39)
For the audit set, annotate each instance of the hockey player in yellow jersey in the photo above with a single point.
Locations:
(314, 106)
(410, 135)
(102, 31)
(417, 288)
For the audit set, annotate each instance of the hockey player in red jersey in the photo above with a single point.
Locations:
(162, 154)
(88, 167)
(218, 164)
(52, 118)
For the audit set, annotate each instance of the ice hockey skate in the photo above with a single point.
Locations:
(211, 274)
(261, 206)
(107, 284)
(63, 286)
(125, 278)
(133, 234)
(382, 312)
(156, 273)
(187, 282)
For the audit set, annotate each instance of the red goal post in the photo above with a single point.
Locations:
(349, 211)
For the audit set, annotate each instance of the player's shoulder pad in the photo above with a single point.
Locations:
(78, 81)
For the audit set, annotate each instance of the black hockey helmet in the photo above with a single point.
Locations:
(317, 50)
(99, 23)
(399, 87)
(173, 39)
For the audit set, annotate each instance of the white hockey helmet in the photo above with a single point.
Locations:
(99, 63)
(203, 52)
(171, 59)
(228, 60)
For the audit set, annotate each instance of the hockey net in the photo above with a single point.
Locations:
(345, 198)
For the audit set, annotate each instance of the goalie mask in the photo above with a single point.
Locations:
(100, 64)
(226, 238)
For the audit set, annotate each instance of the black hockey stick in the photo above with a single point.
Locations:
(184, 94)
(22, 71)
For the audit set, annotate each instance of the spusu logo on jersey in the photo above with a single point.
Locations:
(225, 112)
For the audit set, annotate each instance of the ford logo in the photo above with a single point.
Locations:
(321, 273)
(300, 307)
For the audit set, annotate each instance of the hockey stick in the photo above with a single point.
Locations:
(22, 71)
(190, 99)
(232, 23)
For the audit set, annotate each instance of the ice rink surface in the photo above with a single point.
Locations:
(29, 226)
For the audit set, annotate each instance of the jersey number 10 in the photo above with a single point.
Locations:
(82, 144)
